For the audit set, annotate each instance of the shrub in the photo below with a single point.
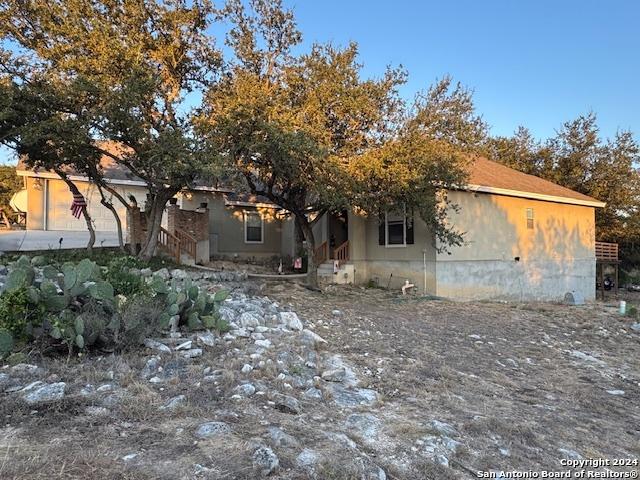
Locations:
(74, 307)
(139, 318)
(17, 312)
(125, 263)
(126, 283)
(52, 307)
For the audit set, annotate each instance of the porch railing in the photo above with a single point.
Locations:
(170, 243)
(341, 254)
(188, 243)
(321, 253)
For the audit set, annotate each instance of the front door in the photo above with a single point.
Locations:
(338, 231)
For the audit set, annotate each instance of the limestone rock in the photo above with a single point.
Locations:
(207, 338)
(245, 390)
(366, 425)
(212, 429)
(286, 404)
(312, 393)
(249, 319)
(311, 339)
(174, 403)
(336, 375)
(246, 368)
(265, 461)
(281, 438)
(179, 274)
(44, 393)
(291, 320)
(352, 397)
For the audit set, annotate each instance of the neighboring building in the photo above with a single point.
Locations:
(525, 238)
(239, 226)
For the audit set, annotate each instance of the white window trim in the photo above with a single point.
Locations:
(404, 230)
(245, 213)
(532, 218)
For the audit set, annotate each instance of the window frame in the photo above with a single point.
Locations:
(404, 230)
(530, 219)
(245, 215)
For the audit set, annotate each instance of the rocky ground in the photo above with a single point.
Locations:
(343, 384)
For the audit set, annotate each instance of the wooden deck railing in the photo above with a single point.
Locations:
(606, 252)
(342, 253)
(321, 253)
(170, 243)
(188, 243)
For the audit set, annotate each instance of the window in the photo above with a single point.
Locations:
(253, 227)
(530, 218)
(396, 228)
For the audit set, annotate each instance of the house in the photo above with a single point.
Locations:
(525, 238)
(242, 226)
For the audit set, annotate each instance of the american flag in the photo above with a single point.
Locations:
(78, 204)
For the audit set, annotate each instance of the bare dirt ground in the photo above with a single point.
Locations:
(462, 388)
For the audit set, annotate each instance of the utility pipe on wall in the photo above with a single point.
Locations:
(424, 268)
(46, 205)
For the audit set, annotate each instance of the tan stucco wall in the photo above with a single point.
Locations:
(556, 256)
(35, 205)
(226, 227)
(391, 265)
(495, 228)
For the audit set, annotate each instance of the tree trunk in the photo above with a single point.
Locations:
(154, 222)
(5, 219)
(128, 206)
(87, 218)
(107, 204)
(307, 230)
(299, 238)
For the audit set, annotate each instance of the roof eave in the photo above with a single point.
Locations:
(534, 196)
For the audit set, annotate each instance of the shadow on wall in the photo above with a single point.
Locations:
(543, 246)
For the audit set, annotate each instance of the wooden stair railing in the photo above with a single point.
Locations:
(170, 243)
(321, 253)
(341, 254)
(188, 243)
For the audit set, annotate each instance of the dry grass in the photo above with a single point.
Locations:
(499, 374)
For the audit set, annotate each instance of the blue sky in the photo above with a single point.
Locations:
(533, 63)
(536, 63)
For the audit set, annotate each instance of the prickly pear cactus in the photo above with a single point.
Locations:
(6, 343)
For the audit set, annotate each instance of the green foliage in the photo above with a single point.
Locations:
(6, 342)
(73, 306)
(126, 283)
(10, 183)
(215, 322)
(312, 134)
(186, 304)
(54, 307)
(116, 70)
(579, 158)
(632, 312)
(17, 312)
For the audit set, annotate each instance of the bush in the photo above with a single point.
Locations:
(73, 306)
(139, 318)
(126, 283)
(17, 312)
